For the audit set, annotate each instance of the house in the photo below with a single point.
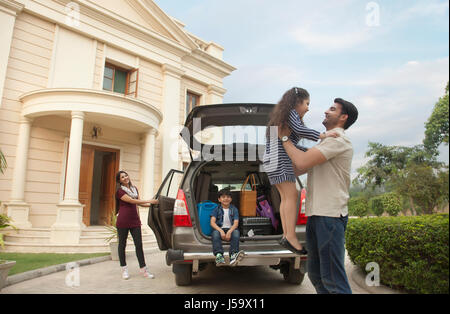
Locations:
(88, 88)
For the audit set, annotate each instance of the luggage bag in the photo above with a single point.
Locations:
(255, 225)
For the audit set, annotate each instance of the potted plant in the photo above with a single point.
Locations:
(112, 239)
(5, 266)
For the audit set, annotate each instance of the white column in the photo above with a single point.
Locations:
(17, 208)
(148, 172)
(171, 123)
(148, 175)
(74, 158)
(8, 13)
(69, 220)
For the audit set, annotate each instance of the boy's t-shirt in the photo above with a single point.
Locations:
(226, 218)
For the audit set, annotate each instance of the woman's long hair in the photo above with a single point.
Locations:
(118, 187)
(280, 114)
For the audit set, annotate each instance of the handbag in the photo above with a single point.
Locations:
(248, 198)
(265, 210)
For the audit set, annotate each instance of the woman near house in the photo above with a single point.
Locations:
(288, 112)
(127, 199)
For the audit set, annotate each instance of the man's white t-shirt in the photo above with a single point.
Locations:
(226, 218)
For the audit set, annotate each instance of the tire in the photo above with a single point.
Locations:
(291, 275)
(183, 274)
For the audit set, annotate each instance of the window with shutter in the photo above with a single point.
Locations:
(192, 101)
(120, 80)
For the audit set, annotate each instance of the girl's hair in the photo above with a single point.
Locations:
(118, 178)
(118, 187)
(280, 114)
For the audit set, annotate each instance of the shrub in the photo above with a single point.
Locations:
(392, 203)
(358, 206)
(376, 205)
(412, 252)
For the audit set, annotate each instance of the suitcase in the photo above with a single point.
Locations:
(255, 225)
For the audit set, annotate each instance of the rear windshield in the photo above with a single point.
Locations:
(232, 134)
(255, 135)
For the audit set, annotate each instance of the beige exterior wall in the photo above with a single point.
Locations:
(27, 70)
(46, 55)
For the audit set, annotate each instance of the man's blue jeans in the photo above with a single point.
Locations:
(217, 241)
(325, 240)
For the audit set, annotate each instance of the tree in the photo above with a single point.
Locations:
(392, 203)
(386, 162)
(437, 126)
(411, 171)
(414, 172)
(424, 185)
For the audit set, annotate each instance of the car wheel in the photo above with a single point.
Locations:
(291, 275)
(183, 274)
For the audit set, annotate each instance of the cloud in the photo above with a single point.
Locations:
(395, 107)
(262, 82)
(330, 41)
(425, 9)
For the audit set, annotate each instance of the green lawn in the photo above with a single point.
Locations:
(30, 261)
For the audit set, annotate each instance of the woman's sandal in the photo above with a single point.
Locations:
(285, 243)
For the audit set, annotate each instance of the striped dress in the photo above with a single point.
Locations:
(276, 161)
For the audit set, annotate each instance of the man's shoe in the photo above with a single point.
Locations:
(220, 261)
(285, 243)
(235, 258)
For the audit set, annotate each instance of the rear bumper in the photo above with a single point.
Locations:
(251, 258)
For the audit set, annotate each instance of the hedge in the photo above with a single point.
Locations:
(412, 252)
(392, 203)
(358, 206)
(376, 205)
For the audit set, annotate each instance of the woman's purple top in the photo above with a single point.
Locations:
(128, 215)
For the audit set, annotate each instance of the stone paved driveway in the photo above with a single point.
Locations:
(105, 277)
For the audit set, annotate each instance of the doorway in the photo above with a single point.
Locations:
(99, 166)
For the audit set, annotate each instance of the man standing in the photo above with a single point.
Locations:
(328, 166)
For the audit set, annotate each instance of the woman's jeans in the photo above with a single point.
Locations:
(137, 239)
(325, 240)
(217, 241)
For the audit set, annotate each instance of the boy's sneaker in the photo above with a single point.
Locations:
(236, 258)
(220, 261)
(146, 273)
(125, 274)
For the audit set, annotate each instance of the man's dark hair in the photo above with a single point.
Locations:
(349, 109)
(225, 192)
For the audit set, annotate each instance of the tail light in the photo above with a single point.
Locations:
(302, 219)
(181, 217)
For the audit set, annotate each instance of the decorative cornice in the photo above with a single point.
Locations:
(11, 7)
(56, 100)
(171, 70)
(107, 26)
(214, 89)
(166, 20)
(213, 64)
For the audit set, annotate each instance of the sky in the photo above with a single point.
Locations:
(389, 58)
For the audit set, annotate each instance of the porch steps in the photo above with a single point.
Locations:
(92, 240)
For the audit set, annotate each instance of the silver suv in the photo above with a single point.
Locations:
(227, 143)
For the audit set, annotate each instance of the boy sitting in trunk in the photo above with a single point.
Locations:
(225, 222)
